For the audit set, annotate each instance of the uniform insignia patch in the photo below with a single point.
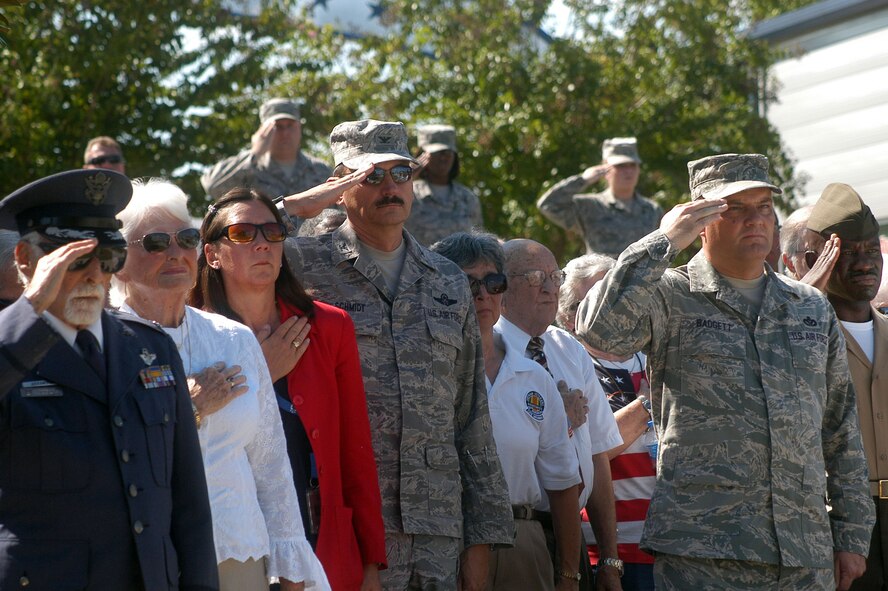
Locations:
(444, 300)
(809, 321)
(40, 389)
(97, 188)
(147, 356)
(534, 405)
(157, 376)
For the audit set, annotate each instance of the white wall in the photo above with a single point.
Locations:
(832, 108)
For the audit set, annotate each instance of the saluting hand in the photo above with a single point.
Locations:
(284, 347)
(49, 272)
(595, 173)
(214, 387)
(260, 143)
(311, 202)
(819, 273)
(683, 223)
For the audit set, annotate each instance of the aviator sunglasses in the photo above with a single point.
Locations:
(100, 160)
(160, 241)
(494, 283)
(400, 174)
(111, 258)
(245, 232)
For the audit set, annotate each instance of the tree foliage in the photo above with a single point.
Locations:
(679, 74)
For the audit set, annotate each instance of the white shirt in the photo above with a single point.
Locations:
(569, 361)
(864, 335)
(249, 479)
(530, 430)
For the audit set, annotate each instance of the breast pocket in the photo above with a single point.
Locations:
(713, 364)
(49, 445)
(157, 409)
(446, 345)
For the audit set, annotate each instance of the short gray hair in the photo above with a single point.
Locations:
(792, 233)
(470, 248)
(576, 272)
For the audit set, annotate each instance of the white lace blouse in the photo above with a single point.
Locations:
(249, 479)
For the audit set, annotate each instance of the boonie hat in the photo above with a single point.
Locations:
(620, 150)
(279, 108)
(715, 177)
(840, 210)
(436, 138)
(359, 143)
(69, 206)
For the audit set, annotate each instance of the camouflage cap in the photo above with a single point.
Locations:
(716, 177)
(620, 150)
(436, 138)
(840, 210)
(69, 206)
(279, 108)
(359, 143)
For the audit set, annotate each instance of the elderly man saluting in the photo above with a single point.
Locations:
(751, 397)
(101, 479)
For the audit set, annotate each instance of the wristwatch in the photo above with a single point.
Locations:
(566, 575)
(614, 562)
(645, 402)
(197, 418)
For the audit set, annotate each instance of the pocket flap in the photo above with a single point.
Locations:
(442, 457)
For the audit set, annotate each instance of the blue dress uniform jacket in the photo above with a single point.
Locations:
(100, 488)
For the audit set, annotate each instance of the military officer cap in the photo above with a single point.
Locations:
(70, 206)
(620, 150)
(840, 210)
(279, 108)
(716, 177)
(356, 144)
(436, 138)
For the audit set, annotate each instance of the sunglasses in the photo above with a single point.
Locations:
(111, 258)
(110, 159)
(160, 241)
(244, 232)
(536, 278)
(400, 174)
(494, 283)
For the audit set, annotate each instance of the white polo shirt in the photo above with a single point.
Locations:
(569, 361)
(530, 430)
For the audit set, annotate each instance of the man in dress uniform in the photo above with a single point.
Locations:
(751, 397)
(442, 485)
(611, 220)
(101, 479)
(841, 217)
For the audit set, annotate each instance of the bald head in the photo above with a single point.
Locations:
(531, 301)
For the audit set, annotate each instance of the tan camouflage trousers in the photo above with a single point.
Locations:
(415, 562)
(681, 573)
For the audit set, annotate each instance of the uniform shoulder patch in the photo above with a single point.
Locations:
(534, 405)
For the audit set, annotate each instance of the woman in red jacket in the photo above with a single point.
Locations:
(312, 355)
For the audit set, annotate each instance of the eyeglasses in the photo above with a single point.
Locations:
(160, 241)
(111, 258)
(399, 174)
(244, 232)
(536, 277)
(109, 159)
(494, 283)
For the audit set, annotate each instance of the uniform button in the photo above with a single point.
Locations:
(125, 456)
(118, 420)
(48, 422)
(166, 417)
(24, 581)
(138, 527)
(133, 491)
(883, 456)
(315, 434)
(298, 400)
(879, 416)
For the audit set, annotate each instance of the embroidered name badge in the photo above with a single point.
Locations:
(534, 405)
(40, 389)
(157, 376)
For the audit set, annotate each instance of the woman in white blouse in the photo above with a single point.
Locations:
(257, 526)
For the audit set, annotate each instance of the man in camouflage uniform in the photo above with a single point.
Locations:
(440, 477)
(275, 163)
(611, 220)
(841, 223)
(751, 397)
(441, 205)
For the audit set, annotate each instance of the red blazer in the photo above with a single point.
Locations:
(327, 390)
